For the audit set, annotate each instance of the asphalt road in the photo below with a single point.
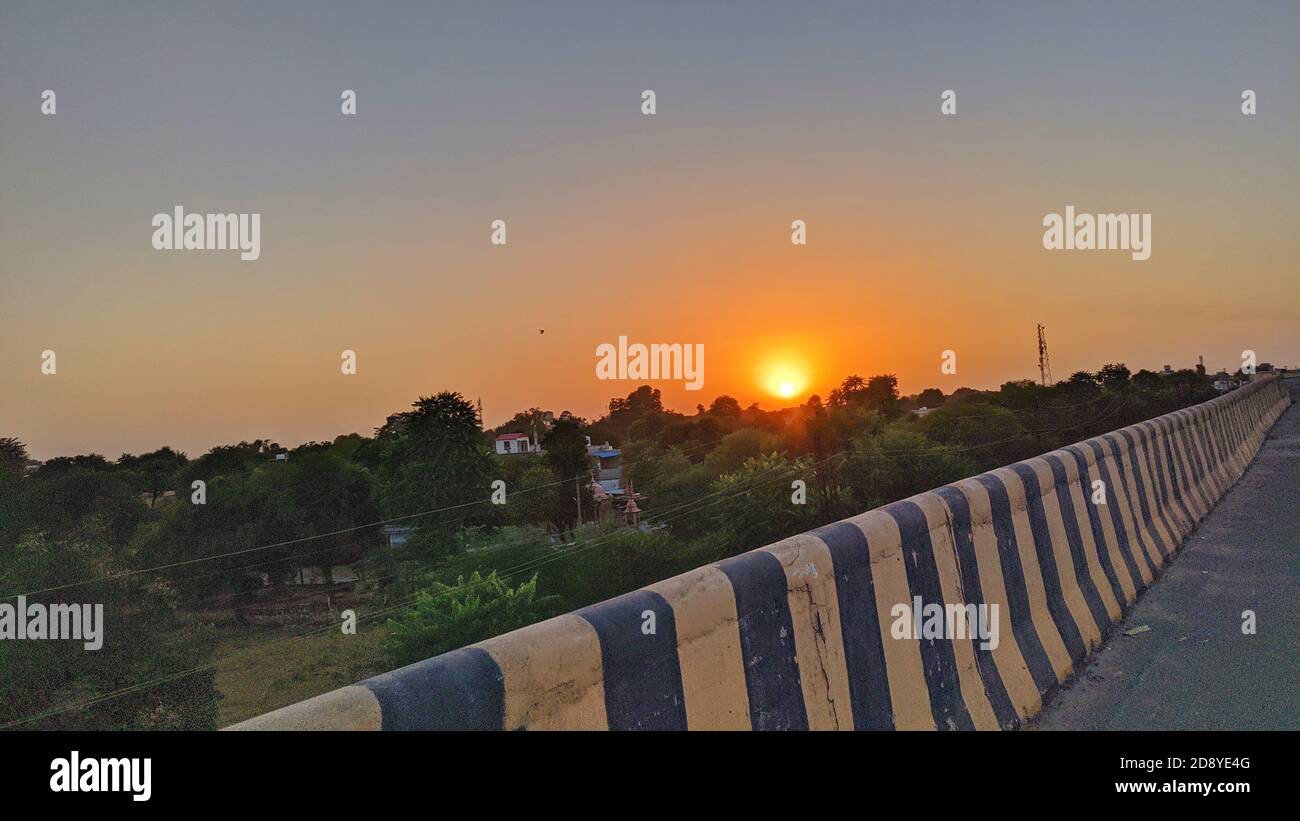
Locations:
(1195, 669)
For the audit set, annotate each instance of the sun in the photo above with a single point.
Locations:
(783, 374)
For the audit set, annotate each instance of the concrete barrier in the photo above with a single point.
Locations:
(800, 634)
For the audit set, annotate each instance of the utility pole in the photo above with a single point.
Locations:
(577, 486)
(1044, 362)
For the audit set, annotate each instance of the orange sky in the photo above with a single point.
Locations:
(924, 232)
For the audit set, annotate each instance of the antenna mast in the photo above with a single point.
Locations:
(1044, 361)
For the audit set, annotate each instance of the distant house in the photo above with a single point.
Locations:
(922, 411)
(508, 443)
(1224, 382)
(609, 470)
(398, 535)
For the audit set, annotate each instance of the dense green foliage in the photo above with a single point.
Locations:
(175, 575)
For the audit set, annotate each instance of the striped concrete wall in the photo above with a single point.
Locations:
(797, 635)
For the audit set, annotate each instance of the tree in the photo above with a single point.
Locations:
(930, 398)
(14, 510)
(433, 457)
(534, 422)
(330, 494)
(881, 395)
(1114, 377)
(83, 495)
(850, 391)
(153, 473)
(991, 435)
(725, 406)
(755, 505)
(529, 488)
(142, 641)
(899, 463)
(566, 455)
(736, 447)
(446, 617)
(229, 459)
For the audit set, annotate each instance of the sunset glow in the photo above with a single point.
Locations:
(925, 232)
(783, 375)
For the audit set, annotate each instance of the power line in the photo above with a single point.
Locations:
(507, 573)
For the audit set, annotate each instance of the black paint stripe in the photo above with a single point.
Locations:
(643, 677)
(1116, 517)
(460, 690)
(938, 659)
(968, 566)
(1145, 502)
(1171, 471)
(1159, 494)
(1070, 518)
(1193, 453)
(767, 640)
(1013, 576)
(864, 650)
(1098, 531)
(1208, 453)
(1061, 615)
(1164, 478)
(1175, 467)
(1183, 470)
(1138, 537)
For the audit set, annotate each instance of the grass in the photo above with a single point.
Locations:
(272, 670)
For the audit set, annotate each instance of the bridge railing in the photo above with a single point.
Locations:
(1029, 566)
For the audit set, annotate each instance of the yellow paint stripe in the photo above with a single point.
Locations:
(1160, 438)
(909, 696)
(1191, 495)
(1048, 635)
(1110, 538)
(1007, 656)
(1073, 593)
(1123, 504)
(818, 645)
(347, 708)
(708, 649)
(1151, 479)
(1155, 535)
(553, 675)
(973, 694)
(1091, 557)
(1168, 539)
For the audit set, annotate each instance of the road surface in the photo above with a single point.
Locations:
(1195, 669)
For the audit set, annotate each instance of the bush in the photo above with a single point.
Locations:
(445, 617)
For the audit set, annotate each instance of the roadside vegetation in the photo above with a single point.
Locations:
(222, 610)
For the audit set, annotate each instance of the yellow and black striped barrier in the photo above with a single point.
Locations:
(815, 631)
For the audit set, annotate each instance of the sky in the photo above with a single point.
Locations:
(924, 230)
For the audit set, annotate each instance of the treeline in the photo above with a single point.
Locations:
(712, 484)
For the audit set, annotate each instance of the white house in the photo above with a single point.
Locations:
(515, 443)
(1223, 382)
